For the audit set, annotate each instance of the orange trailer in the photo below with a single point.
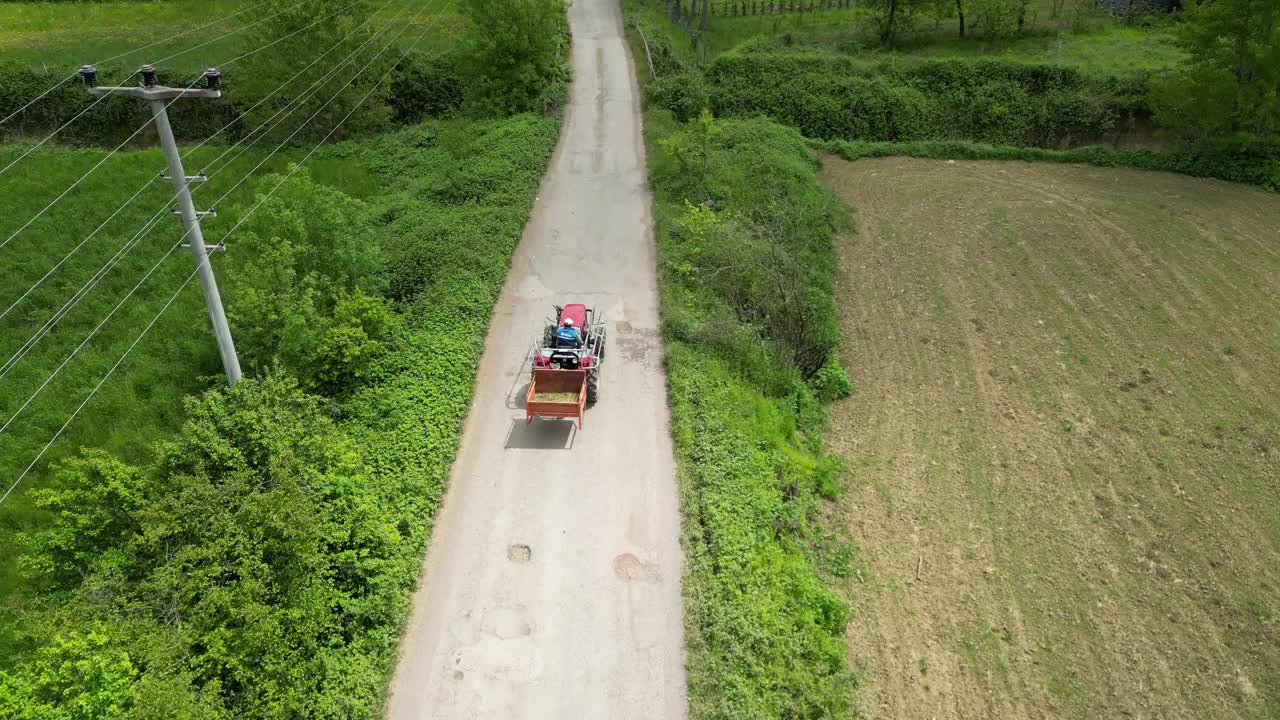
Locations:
(549, 381)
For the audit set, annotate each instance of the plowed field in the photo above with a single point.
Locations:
(1065, 445)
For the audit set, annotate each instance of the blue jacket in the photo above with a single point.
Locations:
(567, 335)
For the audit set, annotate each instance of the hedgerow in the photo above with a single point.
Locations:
(746, 262)
(108, 122)
(828, 95)
(421, 87)
(951, 108)
(1254, 161)
(260, 565)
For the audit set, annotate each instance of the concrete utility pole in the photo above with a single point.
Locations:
(158, 97)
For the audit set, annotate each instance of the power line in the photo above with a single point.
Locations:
(95, 331)
(92, 282)
(205, 141)
(94, 104)
(89, 337)
(75, 299)
(98, 387)
(257, 205)
(143, 125)
(169, 39)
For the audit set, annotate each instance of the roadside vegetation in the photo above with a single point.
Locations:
(189, 551)
(1200, 84)
(1042, 627)
(746, 261)
(744, 229)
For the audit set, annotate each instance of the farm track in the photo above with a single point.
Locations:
(551, 587)
(1067, 418)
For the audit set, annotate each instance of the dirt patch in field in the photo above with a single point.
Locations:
(1068, 419)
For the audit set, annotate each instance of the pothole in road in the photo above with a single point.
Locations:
(630, 568)
(519, 553)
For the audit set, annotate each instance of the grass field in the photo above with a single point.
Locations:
(1065, 446)
(1097, 45)
(62, 36)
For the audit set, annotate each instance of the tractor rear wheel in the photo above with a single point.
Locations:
(593, 385)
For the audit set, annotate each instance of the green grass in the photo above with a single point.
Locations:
(726, 33)
(143, 401)
(62, 36)
(1254, 165)
(1108, 49)
(1098, 44)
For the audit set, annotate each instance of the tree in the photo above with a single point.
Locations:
(77, 676)
(999, 18)
(891, 16)
(294, 34)
(1230, 82)
(511, 54)
(236, 585)
(93, 507)
(306, 276)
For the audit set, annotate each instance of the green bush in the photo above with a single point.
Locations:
(419, 88)
(746, 258)
(107, 123)
(683, 94)
(307, 268)
(513, 54)
(1254, 161)
(77, 675)
(765, 247)
(424, 87)
(355, 96)
(1230, 82)
(832, 96)
(831, 383)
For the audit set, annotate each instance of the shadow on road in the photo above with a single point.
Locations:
(541, 434)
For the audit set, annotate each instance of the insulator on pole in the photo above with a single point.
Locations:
(89, 74)
(148, 73)
(213, 77)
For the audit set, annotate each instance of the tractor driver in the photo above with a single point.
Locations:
(567, 335)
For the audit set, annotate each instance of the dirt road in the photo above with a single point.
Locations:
(551, 588)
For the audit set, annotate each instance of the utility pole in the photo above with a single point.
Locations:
(158, 97)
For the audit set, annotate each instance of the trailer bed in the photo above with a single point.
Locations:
(569, 389)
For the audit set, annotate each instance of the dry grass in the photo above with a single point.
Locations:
(557, 397)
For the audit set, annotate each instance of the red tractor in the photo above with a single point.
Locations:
(566, 371)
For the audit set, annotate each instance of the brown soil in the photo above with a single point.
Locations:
(1068, 418)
